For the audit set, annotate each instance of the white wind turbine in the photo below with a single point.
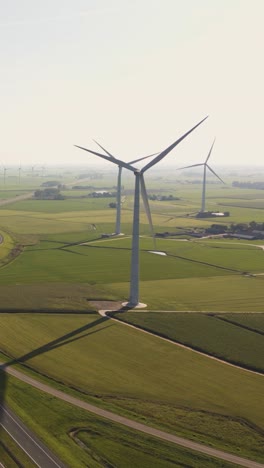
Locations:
(205, 166)
(19, 173)
(5, 169)
(119, 186)
(139, 186)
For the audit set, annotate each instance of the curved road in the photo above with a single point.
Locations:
(133, 424)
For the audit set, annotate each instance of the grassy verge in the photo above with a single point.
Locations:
(11, 455)
(81, 440)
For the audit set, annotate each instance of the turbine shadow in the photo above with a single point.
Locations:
(70, 337)
(61, 341)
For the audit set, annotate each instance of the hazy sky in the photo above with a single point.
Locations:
(133, 74)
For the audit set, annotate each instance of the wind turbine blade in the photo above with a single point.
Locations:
(210, 169)
(146, 206)
(141, 159)
(209, 154)
(170, 148)
(187, 167)
(107, 158)
(107, 152)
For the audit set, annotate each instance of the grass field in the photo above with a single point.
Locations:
(253, 322)
(81, 439)
(208, 334)
(121, 368)
(211, 294)
(119, 365)
(206, 268)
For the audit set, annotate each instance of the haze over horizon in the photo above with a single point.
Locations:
(134, 76)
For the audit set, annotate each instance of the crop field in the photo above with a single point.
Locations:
(63, 266)
(119, 365)
(253, 322)
(81, 439)
(59, 258)
(61, 206)
(216, 335)
(226, 293)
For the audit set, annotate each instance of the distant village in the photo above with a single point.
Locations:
(250, 231)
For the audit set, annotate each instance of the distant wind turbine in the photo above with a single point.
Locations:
(5, 169)
(139, 186)
(19, 173)
(119, 186)
(205, 166)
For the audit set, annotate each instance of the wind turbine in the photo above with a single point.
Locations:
(119, 189)
(19, 173)
(4, 172)
(205, 166)
(139, 186)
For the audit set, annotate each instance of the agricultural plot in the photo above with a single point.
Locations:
(58, 258)
(243, 258)
(227, 293)
(206, 333)
(105, 261)
(81, 439)
(118, 366)
(60, 206)
(253, 322)
(255, 203)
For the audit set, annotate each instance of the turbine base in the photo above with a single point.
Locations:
(139, 305)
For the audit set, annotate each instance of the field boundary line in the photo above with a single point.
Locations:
(104, 313)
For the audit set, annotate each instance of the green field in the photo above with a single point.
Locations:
(45, 268)
(211, 294)
(253, 322)
(81, 439)
(111, 367)
(207, 333)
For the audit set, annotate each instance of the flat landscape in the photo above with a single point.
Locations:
(57, 269)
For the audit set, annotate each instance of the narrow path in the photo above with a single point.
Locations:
(131, 423)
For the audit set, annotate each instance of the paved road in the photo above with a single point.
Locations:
(26, 439)
(133, 424)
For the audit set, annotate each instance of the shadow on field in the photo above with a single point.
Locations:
(63, 245)
(61, 341)
(70, 337)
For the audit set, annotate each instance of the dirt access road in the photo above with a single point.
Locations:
(8, 201)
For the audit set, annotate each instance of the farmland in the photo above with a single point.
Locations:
(63, 267)
(66, 428)
(129, 383)
(217, 335)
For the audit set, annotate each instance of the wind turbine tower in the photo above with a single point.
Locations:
(119, 187)
(205, 167)
(5, 169)
(139, 187)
